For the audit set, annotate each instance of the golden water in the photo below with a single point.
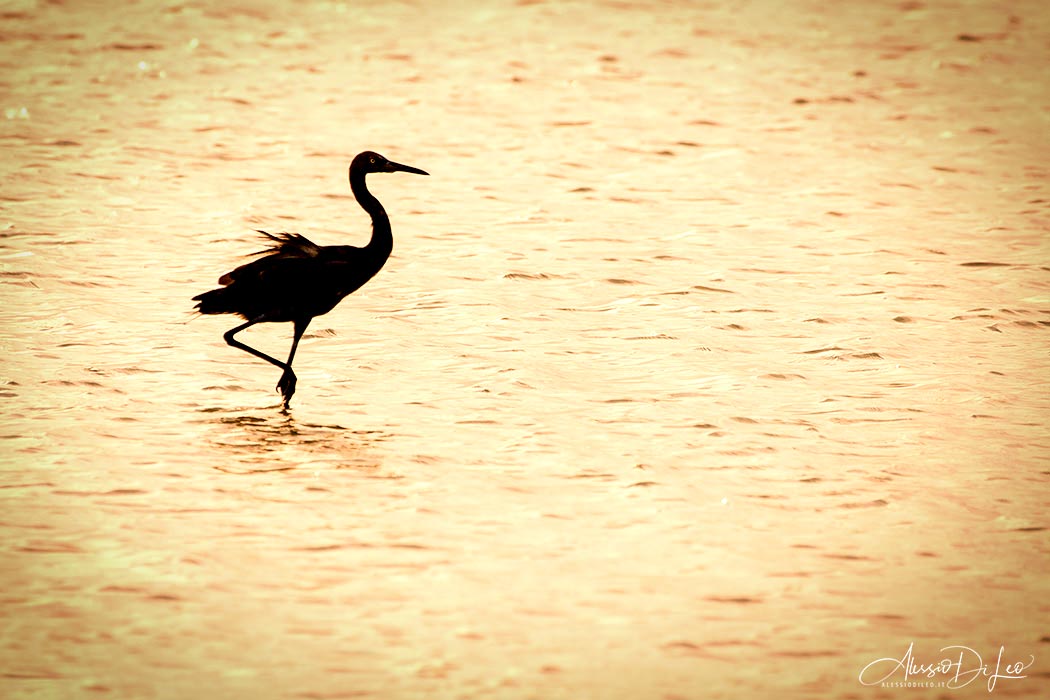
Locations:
(712, 360)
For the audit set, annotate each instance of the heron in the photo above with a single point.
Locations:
(297, 280)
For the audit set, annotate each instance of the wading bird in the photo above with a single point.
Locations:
(298, 280)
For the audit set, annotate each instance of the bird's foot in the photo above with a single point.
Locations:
(286, 386)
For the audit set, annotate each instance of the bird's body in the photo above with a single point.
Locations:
(297, 280)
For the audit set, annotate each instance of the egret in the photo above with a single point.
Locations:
(296, 279)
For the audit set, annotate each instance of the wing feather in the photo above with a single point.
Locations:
(285, 246)
(289, 245)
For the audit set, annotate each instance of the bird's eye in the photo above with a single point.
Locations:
(372, 160)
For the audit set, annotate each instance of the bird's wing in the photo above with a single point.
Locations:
(285, 288)
(290, 245)
(285, 246)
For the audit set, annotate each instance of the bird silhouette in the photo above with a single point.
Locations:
(297, 279)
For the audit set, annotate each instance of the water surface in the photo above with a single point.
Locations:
(711, 360)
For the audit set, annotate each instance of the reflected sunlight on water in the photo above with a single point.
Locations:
(711, 359)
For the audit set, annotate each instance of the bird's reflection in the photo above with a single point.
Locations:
(264, 441)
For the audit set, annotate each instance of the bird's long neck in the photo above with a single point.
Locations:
(382, 241)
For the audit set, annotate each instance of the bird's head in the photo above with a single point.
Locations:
(372, 162)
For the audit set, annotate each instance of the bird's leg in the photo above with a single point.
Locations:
(286, 384)
(230, 340)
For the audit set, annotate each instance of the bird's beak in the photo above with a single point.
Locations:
(393, 167)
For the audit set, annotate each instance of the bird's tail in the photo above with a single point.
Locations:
(217, 301)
